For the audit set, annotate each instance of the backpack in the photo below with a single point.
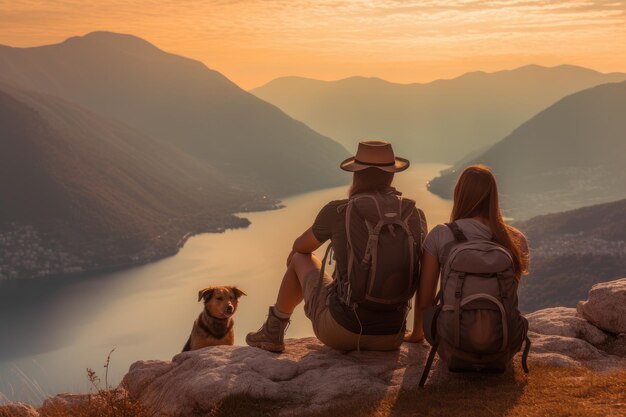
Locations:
(382, 250)
(475, 324)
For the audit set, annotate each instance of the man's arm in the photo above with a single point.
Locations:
(429, 279)
(425, 295)
(305, 243)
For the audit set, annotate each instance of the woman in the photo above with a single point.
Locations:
(476, 210)
(334, 323)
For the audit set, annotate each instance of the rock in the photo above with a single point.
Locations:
(65, 401)
(70, 404)
(566, 351)
(311, 375)
(606, 306)
(18, 410)
(308, 373)
(617, 346)
(563, 321)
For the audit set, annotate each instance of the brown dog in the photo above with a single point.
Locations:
(214, 326)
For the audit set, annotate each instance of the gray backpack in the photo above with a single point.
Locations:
(476, 324)
(383, 251)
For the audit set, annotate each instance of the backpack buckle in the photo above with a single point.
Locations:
(459, 285)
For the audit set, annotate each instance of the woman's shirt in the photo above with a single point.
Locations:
(441, 236)
(330, 224)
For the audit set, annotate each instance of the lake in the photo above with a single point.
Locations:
(53, 329)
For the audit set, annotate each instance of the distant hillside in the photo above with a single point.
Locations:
(569, 155)
(79, 192)
(571, 251)
(182, 102)
(440, 121)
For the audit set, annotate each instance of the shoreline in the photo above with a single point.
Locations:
(235, 222)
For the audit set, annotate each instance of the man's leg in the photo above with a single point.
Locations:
(290, 292)
(271, 335)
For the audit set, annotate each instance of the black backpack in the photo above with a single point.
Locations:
(383, 251)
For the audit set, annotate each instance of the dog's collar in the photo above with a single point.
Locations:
(207, 329)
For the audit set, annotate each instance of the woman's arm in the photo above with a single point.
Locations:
(428, 280)
(425, 296)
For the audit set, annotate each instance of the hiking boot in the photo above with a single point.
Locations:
(271, 336)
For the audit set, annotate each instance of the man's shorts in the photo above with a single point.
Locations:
(327, 330)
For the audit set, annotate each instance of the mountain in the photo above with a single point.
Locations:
(568, 156)
(440, 121)
(181, 102)
(571, 251)
(79, 192)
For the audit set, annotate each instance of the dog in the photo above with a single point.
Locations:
(214, 326)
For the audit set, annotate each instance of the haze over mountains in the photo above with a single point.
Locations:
(571, 251)
(112, 151)
(441, 121)
(80, 192)
(569, 155)
(182, 102)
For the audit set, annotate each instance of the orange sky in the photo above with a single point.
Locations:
(254, 41)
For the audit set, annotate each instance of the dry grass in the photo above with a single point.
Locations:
(103, 401)
(546, 391)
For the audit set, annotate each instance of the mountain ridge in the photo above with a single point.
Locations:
(423, 83)
(82, 193)
(534, 173)
(571, 251)
(183, 102)
(442, 120)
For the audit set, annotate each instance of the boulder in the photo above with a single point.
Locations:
(18, 410)
(606, 306)
(566, 351)
(563, 321)
(617, 346)
(65, 401)
(311, 375)
(308, 373)
(70, 404)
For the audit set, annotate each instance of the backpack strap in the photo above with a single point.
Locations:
(327, 256)
(429, 364)
(458, 234)
(459, 237)
(457, 309)
(329, 249)
(525, 355)
(350, 252)
(422, 226)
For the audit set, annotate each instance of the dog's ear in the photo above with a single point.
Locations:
(206, 293)
(238, 293)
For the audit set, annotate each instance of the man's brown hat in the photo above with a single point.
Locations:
(375, 154)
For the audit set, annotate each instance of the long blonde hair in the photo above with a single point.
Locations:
(476, 195)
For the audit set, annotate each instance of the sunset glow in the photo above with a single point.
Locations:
(253, 41)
